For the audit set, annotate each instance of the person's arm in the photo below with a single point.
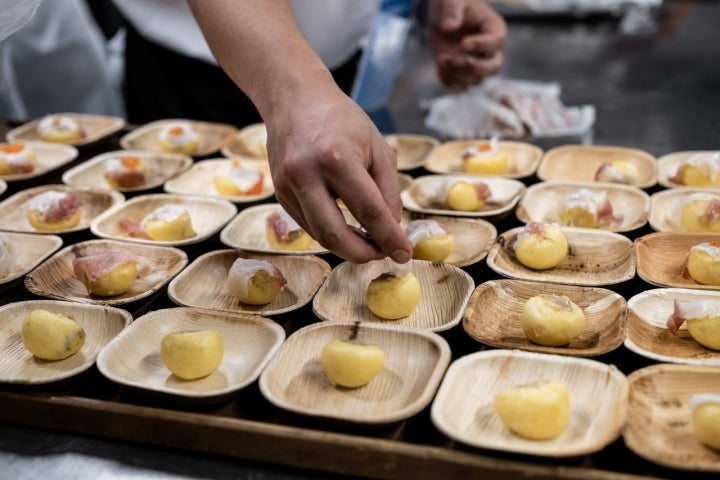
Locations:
(321, 145)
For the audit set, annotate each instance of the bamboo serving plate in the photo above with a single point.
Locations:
(666, 207)
(446, 290)
(523, 158)
(412, 150)
(463, 408)
(542, 203)
(96, 127)
(55, 278)
(212, 136)
(18, 365)
(647, 334)
(133, 357)
(246, 231)
(492, 317)
(659, 422)
(668, 165)
(49, 157)
(27, 251)
(426, 194)
(161, 167)
(415, 361)
(473, 237)
(202, 284)
(94, 202)
(579, 163)
(208, 216)
(661, 258)
(198, 180)
(595, 258)
(249, 141)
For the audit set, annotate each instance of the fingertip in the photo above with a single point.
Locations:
(401, 256)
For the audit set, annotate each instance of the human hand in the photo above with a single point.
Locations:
(321, 147)
(468, 38)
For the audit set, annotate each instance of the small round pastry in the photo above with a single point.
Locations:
(393, 295)
(585, 208)
(192, 354)
(284, 233)
(169, 223)
(466, 196)
(17, 158)
(51, 336)
(351, 365)
(60, 129)
(106, 273)
(538, 411)
(541, 245)
(552, 320)
(125, 172)
(705, 409)
(700, 213)
(53, 211)
(702, 318)
(703, 263)
(701, 169)
(243, 179)
(430, 239)
(485, 158)
(618, 171)
(6, 256)
(178, 137)
(254, 282)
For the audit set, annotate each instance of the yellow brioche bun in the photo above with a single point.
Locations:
(706, 424)
(188, 148)
(65, 136)
(300, 242)
(705, 331)
(538, 411)
(36, 220)
(703, 268)
(486, 165)
(434, 249)
(392, 297)
(577, 217)
(51, 336)
(462, 196)
(552, 320)
(262, 288)
(692, 214)
(543, 251)
(351, 365)
(192, 355)
(174, 230)
(693, 176)
(114, 283)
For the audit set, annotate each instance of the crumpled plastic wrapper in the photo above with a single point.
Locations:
(507, 109)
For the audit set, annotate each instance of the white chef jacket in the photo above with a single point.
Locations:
(334, 28)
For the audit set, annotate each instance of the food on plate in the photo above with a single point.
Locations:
(702, 318)
(540, 245)
(179, 137)
(53, 211)
(705, 410)
(466, 196)
(351, 365)
(255, 282)
(242, 179)
(169, 223)
(192, 354)
(284, 233)
(430, 239)
(618, 171)
(585, 208)
(107, 273)
(6, 256)
(700, 212)
(484, 158)
(538, 411)
(126, 171)
(60, 129)
(50, 335)
(552, 320)
(700, 169)
(17, 158)
(703, 263)
(394, 294)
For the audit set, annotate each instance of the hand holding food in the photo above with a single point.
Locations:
(430, 239)
(51, 336)
(255, 282)
(351, 365)
(192, 354)
(552, 320)
(540, 245)
(538, 411)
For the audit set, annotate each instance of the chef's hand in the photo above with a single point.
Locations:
(468, 38)
(321, 147)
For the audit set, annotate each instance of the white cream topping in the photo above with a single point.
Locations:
(474, 150)
(23, 156)
(178, 134)
(711, 250)
(706, 162)
(57, 123)
(166, 213)
(244, 176)
(242, 270)
(700, 399)
(586, 199)
(117, 165)
(699, 309)
(419, 230)
(620, 171)
(46, 200)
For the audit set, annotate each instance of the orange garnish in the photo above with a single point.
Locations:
(715, 243)
(257, 186)
(176, 131)
(14, 147)
(130, 162)
(485, 147)
(236, 163)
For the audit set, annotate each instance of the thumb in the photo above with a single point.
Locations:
(448, 15)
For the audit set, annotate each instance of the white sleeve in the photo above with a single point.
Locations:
(14, 14)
